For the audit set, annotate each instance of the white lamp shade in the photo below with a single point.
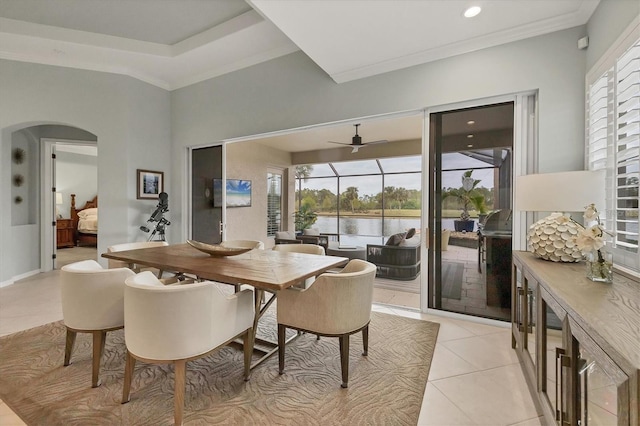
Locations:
(560, 192)
(58, 198)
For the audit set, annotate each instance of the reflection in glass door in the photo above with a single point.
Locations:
(471, 155)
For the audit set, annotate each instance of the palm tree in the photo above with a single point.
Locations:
(351, 196)
(303, 172)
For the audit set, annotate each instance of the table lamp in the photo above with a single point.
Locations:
(553, 238)
(58, 203)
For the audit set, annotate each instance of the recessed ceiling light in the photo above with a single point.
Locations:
(470, 145)
(471, 122)
(472, 11)
(469, 136)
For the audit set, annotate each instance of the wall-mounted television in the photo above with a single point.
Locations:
(238, 193)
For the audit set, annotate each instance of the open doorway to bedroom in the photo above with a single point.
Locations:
(76, 191)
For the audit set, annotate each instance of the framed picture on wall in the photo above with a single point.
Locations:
(238, 193)
(150, 184)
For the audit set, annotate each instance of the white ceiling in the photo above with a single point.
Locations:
(359, 38)
(175, 43)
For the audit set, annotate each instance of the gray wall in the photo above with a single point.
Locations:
(141, 126)
(131, 121)
(607, 22)
(250, 161)
(292, 91)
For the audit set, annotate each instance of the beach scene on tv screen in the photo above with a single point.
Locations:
(238, 192)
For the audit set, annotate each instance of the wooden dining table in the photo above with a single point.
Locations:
(265, 270)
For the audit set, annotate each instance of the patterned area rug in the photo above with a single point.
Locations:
(385, 388)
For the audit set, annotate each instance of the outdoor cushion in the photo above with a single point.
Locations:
(397, 239)
(285, 235)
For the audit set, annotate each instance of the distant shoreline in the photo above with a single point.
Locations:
(377, 214)
(373, 215)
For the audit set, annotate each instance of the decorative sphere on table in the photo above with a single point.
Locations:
(553, 238)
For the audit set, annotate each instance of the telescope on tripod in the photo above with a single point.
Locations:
(158, 216)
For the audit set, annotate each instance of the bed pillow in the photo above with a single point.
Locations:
(83, 214)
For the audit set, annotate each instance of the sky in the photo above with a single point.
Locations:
(371, 185)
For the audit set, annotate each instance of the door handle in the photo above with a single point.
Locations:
(562, 360)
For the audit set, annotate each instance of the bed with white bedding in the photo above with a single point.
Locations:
(85, 222)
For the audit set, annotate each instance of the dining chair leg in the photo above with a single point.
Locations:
(99, 338)
(344, 359)
(68, 348)
(282, 330)
(365, 340)
(130, 365)
(247, 342)
(179, 390)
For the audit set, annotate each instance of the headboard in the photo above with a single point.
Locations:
(74, 212)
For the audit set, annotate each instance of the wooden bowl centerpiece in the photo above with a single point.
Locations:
(217, 250)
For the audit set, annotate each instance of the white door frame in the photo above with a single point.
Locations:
(47, 199)
(525, 143)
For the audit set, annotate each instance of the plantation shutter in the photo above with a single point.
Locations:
(600, 101)
(274, 203)
(613, 144)
(627, 140)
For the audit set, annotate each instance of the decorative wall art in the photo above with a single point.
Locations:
(18, 179)
(18, 155)
(150, 184)
(238, 193)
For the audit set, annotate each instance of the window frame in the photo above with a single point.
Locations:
(603, 145)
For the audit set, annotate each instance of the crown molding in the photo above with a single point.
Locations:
(522, 32)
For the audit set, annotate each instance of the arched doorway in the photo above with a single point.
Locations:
(31, 216)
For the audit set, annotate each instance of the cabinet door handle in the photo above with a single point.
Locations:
(562, 360)
(520, 303)
(583, 370)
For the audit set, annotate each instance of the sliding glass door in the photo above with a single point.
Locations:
(471, 156)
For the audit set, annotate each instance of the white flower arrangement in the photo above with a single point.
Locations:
(590, 241)
(591, 238)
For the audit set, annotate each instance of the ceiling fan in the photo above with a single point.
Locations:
(356, 141)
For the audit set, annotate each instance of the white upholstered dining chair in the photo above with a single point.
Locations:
(335, 304)
(133, 246)
(92, 302)
(301, 248)
(176, 324)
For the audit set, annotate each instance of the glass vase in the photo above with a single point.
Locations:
(600, 266)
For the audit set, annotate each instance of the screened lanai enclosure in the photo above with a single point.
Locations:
(362, 202)
(367, 202)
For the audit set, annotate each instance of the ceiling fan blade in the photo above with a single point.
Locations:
(376, 142)
(340, 143)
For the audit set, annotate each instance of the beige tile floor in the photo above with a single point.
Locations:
(475, 377)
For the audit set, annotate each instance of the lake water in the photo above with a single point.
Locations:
(368, 230)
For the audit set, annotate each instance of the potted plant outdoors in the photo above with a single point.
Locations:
(468, 197)
(304, 218)
(480, 206)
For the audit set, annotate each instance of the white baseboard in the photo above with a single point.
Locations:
(13, 280)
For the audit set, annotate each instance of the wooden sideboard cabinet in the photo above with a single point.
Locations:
(65, 234)
(578, 342)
